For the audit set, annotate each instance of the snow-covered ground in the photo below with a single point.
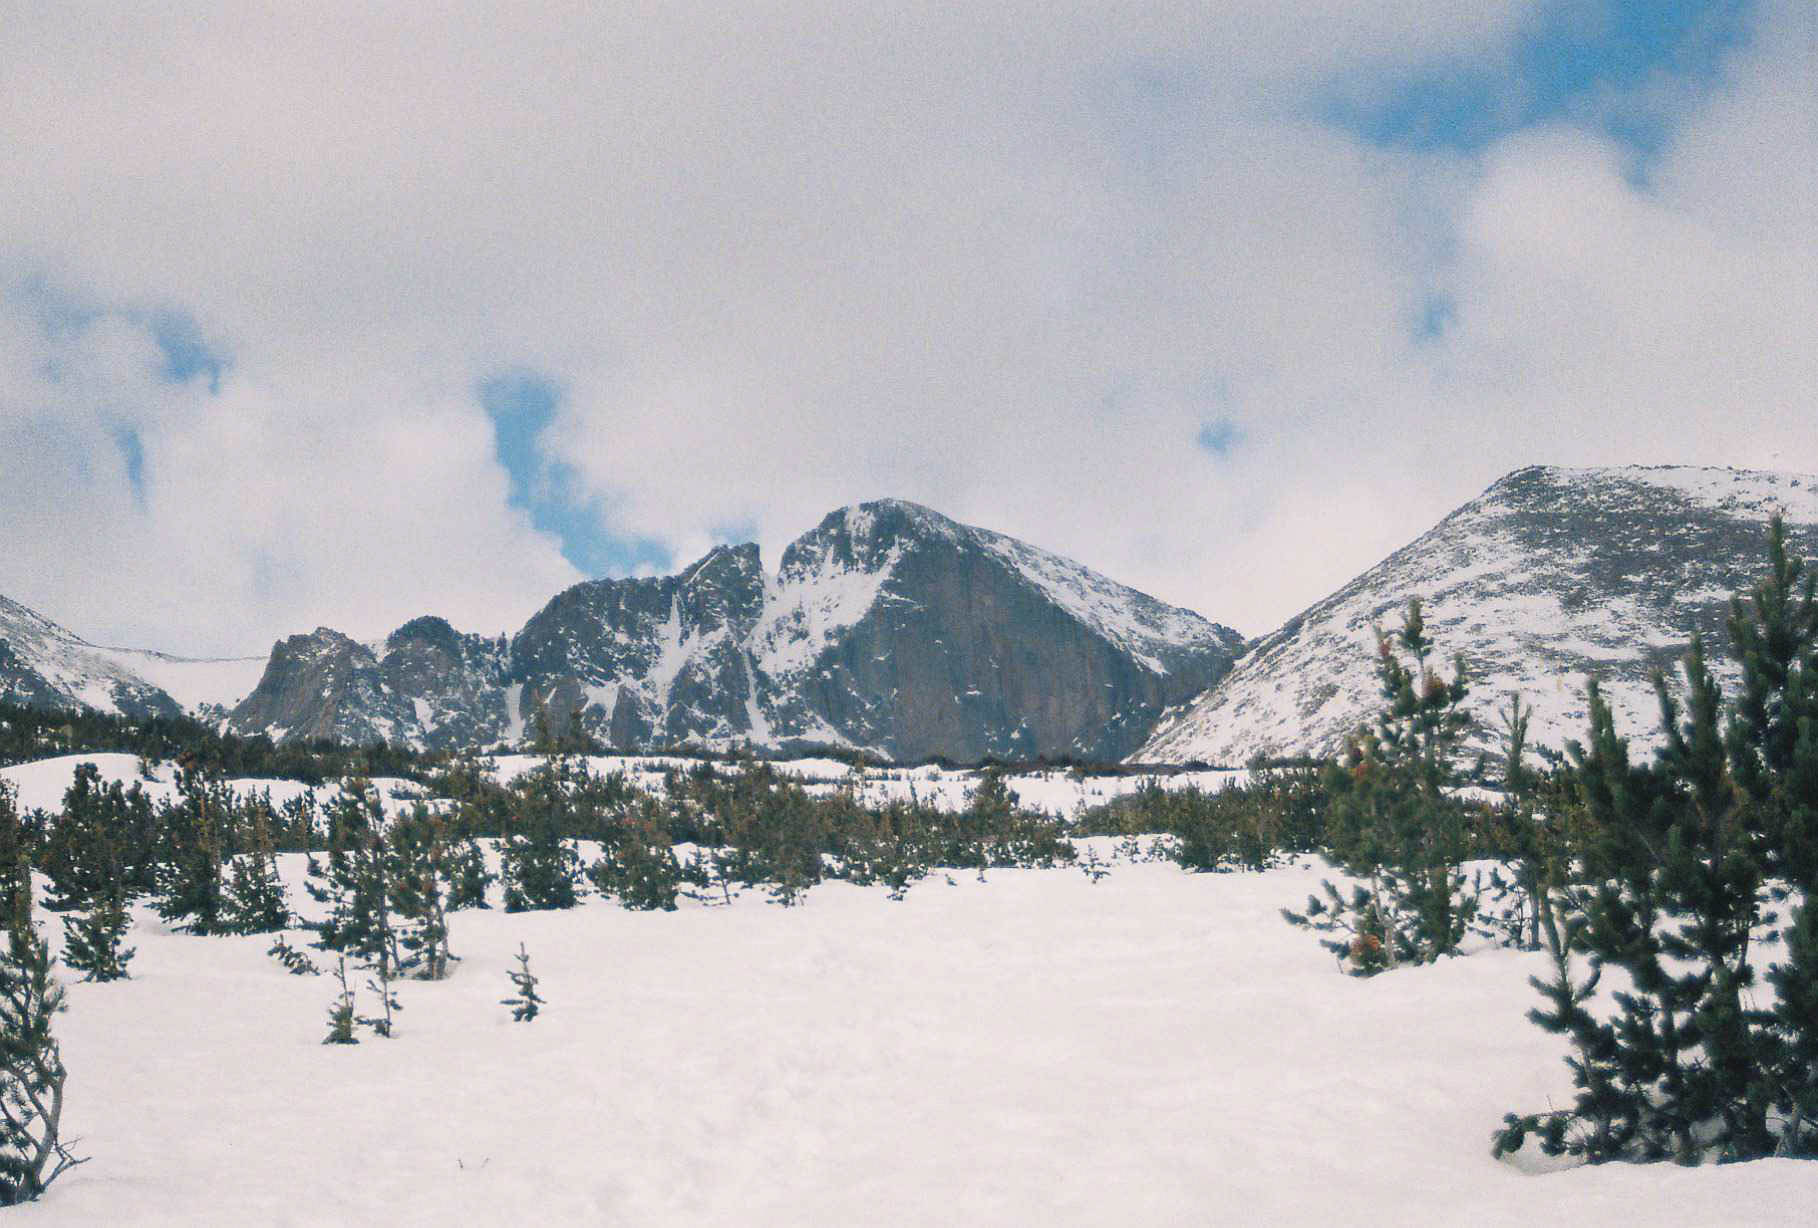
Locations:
(40, 785)
(1158, 1047)
(1155, 1048)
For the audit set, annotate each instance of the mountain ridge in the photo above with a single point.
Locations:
(1551, 575)
(888, 627)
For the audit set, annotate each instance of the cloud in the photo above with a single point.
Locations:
(1006, 260)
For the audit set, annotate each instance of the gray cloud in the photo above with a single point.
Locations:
(1008, 260)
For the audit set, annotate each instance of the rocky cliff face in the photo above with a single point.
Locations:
(887, 627)
(1549, 577)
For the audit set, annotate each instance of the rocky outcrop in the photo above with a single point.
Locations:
(427, 685)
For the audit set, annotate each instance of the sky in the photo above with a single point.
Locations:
(339, 314)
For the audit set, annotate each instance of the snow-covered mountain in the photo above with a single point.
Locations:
(1550, 576)
(888, 627)
(44, 665)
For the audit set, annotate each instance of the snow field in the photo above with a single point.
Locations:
(1156, 1048)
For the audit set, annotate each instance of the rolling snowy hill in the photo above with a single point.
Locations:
(1551, 576)
(44, 665)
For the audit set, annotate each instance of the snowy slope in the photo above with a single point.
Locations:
(45, 665)
(1157, 1048)
(1550, 576)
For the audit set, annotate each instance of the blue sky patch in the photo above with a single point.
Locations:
(521, 405)
(1219, 436)
(186, 355)
(1576, 61)
(132, 453)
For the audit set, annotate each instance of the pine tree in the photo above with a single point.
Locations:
(421, 862)
(468, 878)
(94, 942)
(1684, 860)
(32, 1074)
(1392, 824)
(540, 867)
(383, 1023)
(82, 853)
(525, 1002)
(254, 902)
(1795, 1019)
(190, 890)
(354, 880)
(637, 863)
(15, 865)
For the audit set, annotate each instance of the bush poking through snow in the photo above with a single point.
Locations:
(526, 1002)
(295, 962)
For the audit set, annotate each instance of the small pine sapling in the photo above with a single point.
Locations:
(1094, 867)
(526, 1002)
(382, 1024)
(341, 1018)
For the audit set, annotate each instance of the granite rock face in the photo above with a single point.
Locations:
(1548, 578)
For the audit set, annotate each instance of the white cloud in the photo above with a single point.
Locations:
(1004, 259)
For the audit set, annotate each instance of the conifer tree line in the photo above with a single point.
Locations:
(28, 733)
